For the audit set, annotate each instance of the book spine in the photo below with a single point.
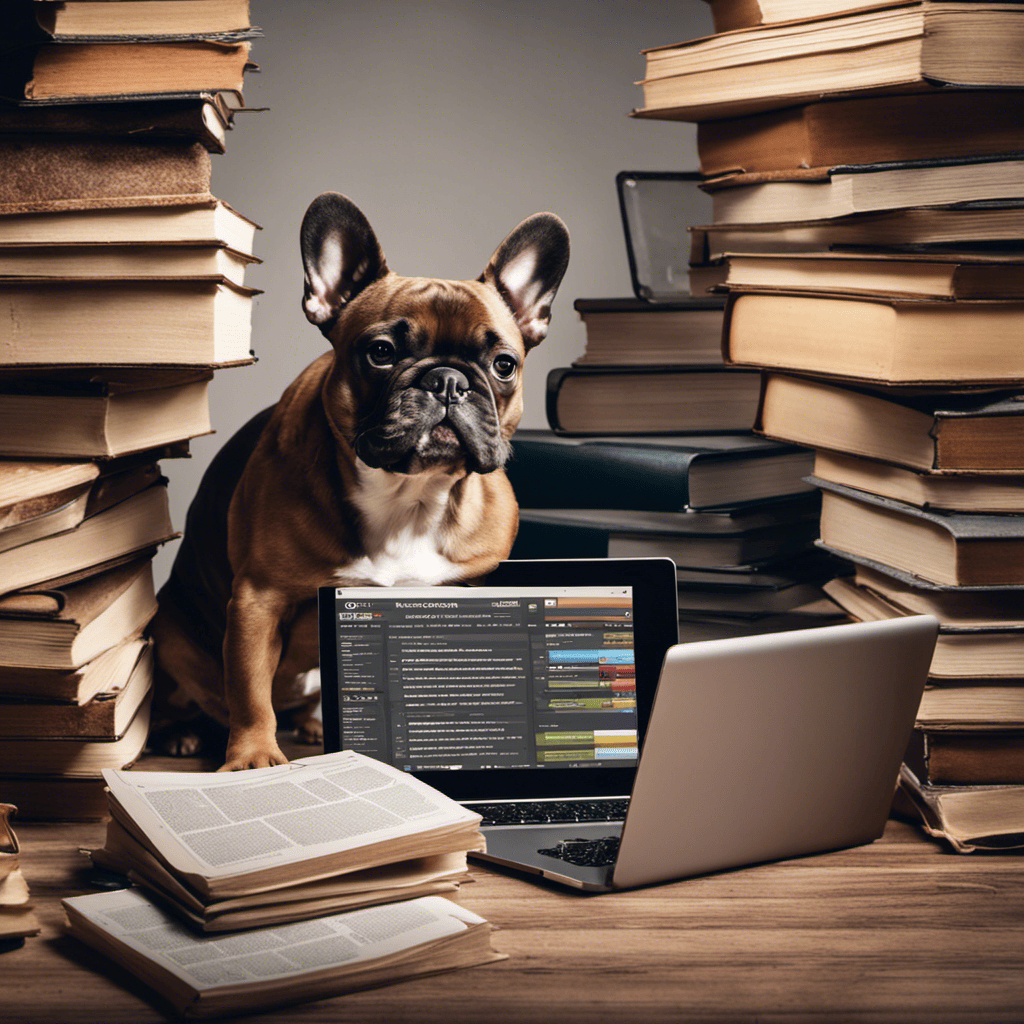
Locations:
(553, 386)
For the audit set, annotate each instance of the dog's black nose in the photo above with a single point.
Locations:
(446, 384)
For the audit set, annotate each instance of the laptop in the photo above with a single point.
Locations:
(518, 702)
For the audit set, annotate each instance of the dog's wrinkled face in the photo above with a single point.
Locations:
(427, 373)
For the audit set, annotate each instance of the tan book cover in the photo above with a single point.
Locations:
(45, 173)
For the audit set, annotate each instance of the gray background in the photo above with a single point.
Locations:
(447, 123)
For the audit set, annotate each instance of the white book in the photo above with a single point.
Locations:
(237, 833)
(204, 976)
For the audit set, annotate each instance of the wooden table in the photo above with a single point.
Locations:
(900, 930)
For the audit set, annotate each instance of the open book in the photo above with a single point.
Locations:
(273, 844)
(206, 976)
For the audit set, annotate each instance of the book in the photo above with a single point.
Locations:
(17, 918)
(937, 434)
(978, 757)
(108, 415)
(54, 798)
(40, 518)
(819, 194)
(135, 524)
(85, 70)
(886, 341)
(200, 119)
(75, 757)
(659, 474)
(214, 976)
(389, 883)
(926, 276)
(993, 609)
(972, 704)
(105, 673)
(545, 534)
(968, 818)
(962, 652)
(55, 632)
(264, 830)
(52, 173)
(910, 46)
(201, 222)
(83, 19)
(961, 493)
(731, 600)
(869, 130)
(180, 322)
(651, 400)
(30, 491)
(951, 548)
(983, 226)
(67, 511)
(732, 14)
(106, 717)
(632, 332)
(125, 261)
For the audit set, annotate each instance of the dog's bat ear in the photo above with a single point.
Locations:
(340, 256)
(527, 268)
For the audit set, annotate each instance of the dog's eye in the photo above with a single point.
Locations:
(504, 367)
(381, 353)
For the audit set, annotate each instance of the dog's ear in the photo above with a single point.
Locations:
(527, 268)
(340, 255)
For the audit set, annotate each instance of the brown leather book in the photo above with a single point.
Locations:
(50, 172)
(869, 130)
(973, 758)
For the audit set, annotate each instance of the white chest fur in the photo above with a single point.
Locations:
(402, 530)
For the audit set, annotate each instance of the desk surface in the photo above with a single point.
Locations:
(896, 931)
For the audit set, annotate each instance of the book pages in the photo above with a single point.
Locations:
(219, 825)
(269, 954)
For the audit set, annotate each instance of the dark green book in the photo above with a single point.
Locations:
(654, 474)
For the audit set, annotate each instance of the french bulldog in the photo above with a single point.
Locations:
(381, 465)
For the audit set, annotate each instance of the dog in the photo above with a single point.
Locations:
(381, 465)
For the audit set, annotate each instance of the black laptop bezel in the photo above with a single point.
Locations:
(656, 628)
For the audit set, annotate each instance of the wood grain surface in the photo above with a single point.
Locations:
(900, 930)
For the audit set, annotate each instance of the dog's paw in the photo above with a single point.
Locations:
(311, 731)
(252, 753)
(180, 740)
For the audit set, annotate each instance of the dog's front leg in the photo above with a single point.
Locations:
(252, 649)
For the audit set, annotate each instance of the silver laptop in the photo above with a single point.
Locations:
(757, 748)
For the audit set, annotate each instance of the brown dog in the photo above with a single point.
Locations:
(381, 464)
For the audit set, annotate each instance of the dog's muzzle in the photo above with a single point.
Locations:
(446, 384)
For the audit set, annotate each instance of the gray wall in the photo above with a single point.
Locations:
(447, 123)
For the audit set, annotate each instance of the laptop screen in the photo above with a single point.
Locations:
(455, 678)
(536, 681)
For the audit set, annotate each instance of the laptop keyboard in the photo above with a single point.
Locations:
(543, 812)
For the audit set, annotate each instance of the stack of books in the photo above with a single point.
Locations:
(232, 868)
(17, 919)
(121, 278)
(652, 454)
(870, 246)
